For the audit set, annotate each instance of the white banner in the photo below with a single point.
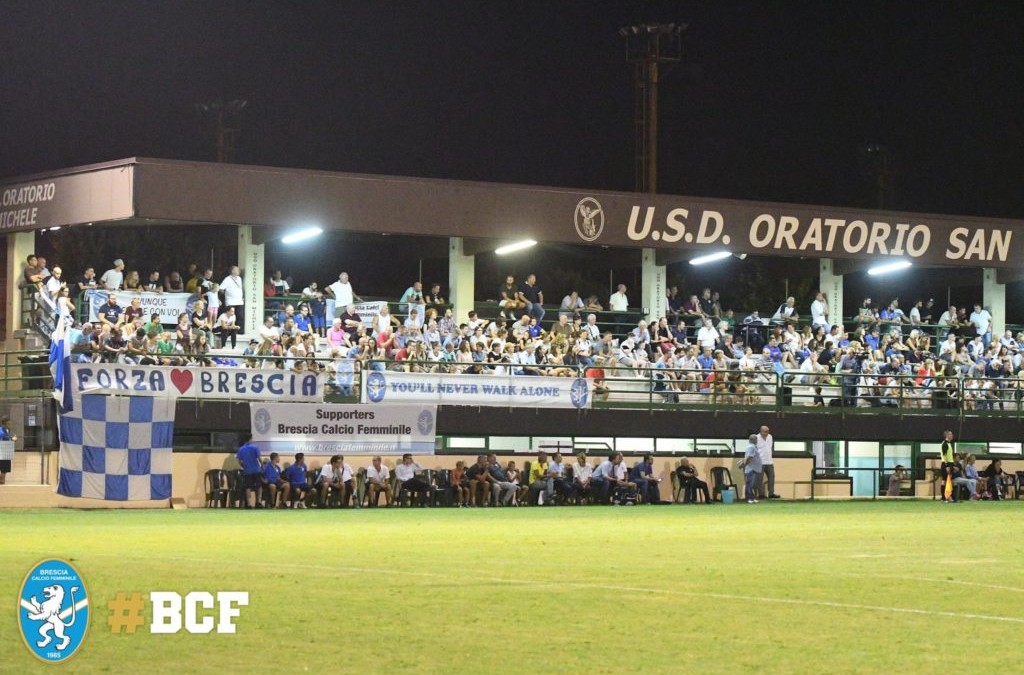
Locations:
(328, 429)
(366, 311)
(168, 305)
(239, 384)
(518, 391)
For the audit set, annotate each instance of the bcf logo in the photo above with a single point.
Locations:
(168, 608)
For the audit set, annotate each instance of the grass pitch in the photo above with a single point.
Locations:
(781, 587)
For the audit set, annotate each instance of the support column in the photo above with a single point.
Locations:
(652, 282)
(250, 261)
(19, 246)
(831, 285)
(993, 298)
(461, 280)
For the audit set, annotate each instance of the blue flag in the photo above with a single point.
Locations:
(60, 366)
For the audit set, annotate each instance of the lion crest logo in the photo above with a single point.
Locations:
(54, 611)
(589, 219)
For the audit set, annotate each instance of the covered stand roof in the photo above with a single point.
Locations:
(156, 191)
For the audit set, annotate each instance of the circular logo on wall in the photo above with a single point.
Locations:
(425, 422)
(589, 218)
(579, 393)
(261, 421)
(53, 611)
(376, 387)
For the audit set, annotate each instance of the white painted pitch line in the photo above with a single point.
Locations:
(933, 580)
(624, 589)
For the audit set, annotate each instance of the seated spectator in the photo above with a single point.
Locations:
(460, 484)
(969, 477)
(642, 475)
(503, 490)
(295, 475)
(412, 484)
(571, 305)
(227, 328)
(273, 484)
(111, 314)
(581, 473)
(378, 480)
(690, 482)
(786, 313)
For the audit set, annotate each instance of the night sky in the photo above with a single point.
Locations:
(773, 101)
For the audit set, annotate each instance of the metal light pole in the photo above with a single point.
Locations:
(647, 47)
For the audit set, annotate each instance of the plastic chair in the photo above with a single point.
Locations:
(215, 484)
(721, 480)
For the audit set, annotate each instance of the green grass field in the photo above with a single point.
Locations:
(786, 588)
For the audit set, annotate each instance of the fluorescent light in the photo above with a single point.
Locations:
(710, 257)
(54, 228)
(301, 235)
(518, 246)
(889, 267)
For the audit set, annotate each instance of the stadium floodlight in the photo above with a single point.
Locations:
(512, 248)
(710, 257)
(302, 235)
(889, 267)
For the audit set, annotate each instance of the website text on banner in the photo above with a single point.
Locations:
(520, 391)
(328, 429)
(168, 305)
(238, 384)
(366, 311)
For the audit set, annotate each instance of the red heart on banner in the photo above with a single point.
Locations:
(181, 379)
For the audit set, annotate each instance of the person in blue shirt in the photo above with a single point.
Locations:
(249, 457)
(303, 320)
(272, 481)
(646, 483)
(5, 435)
(295, 475)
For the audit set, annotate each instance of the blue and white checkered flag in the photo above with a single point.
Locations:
(117, 448)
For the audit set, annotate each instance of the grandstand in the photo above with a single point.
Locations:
(665, 372)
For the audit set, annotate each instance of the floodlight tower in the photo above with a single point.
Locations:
(221, 113)
(647, 47)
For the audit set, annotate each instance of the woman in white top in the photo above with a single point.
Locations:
(227, 328)
(383, 320)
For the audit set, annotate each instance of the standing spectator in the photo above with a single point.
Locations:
(751, 465)
(114, 277)
(212, 296)
(340, 294)
(173, 283)
(532, 298)
(765, 449)
(819, 312)
(947, 453)
(249, 457)
(88, 280)
(280, 285)
(234, 295)
(412, 300)
(153, 285)
(317, 308)
(982, 322)
(619, 304)
(5, 435)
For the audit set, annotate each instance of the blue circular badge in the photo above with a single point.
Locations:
(579, 392)
(376, 387)
(53, 611)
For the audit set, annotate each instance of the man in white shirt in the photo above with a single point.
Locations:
(268, 331)
(581, 474)
(707, 336)
(113, 278)
(234, 295)
(413, 299)
(591, 327)
(819, 312)
(378, 479)
(339, 295)
(409, 481)
(618, 302)
(335, 475)
(982, 321)
(765, 447)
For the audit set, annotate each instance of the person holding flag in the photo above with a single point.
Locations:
(947, 454)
